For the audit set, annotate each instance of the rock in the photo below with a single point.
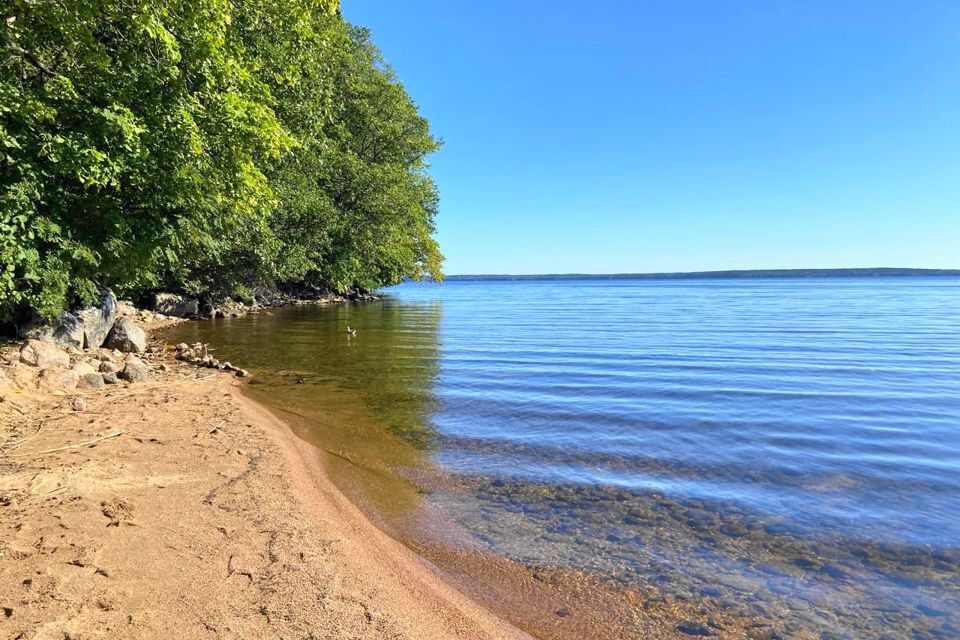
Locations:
(68, 331)
(127, 337)
(694, 629)
(110, 378)
(97, 321)
(78, 404)
(174, 305)
(125, 308)
(43, 354)
(82, 369)
(42, 332)
(243, 373)
(833, 571)
(58, 378)
(135, 370)
(90, 381)
(183, 346)
(108, 366)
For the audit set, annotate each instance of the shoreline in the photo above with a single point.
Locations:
(204, 516)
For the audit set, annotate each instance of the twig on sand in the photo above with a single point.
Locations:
(79, 445)
(215, 429)
(341, 455)
(16, 443)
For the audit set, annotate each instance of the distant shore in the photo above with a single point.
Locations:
(873, 272)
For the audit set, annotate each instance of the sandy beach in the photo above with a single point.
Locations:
(195, 514)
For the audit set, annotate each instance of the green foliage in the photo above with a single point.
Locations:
(203, 146)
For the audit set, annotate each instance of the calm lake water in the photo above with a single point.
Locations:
(742, 457)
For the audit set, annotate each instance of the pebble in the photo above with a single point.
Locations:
(694, 629)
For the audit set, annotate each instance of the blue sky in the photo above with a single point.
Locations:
(638, 136)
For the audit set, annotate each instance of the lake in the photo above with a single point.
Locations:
(754, 458)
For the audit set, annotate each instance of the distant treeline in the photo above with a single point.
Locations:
(880, 272)
(203, 147)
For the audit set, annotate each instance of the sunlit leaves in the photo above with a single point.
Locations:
(205, 146)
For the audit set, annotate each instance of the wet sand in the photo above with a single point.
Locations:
(206, 517)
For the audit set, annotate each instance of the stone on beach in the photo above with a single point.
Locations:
(109, 366)
(68, 331)
(127, 337)
(97, 321)
(43, 354)
(135, 370)
(58, 378)
(90, 381)
(174, 305)
(83, 368)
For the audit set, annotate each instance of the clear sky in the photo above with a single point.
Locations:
(671, 135)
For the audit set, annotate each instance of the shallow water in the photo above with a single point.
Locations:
(782, 451)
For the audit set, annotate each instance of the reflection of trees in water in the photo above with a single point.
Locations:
(393, 361)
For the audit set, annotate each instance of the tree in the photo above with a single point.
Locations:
(203, 146)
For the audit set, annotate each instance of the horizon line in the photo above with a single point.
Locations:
(801, 272)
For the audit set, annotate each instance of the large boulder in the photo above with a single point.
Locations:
(173, 305)
(68, 331)
(98, 321)
(127, 337)
(43, 354)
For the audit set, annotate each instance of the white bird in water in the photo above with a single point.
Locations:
(351, 332)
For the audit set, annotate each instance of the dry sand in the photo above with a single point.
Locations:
(206, 517)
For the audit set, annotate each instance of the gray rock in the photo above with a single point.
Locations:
(43, 354)
(242, 373)
(110, 378)
(127, 337)
(182, 346)
(694, 629)
(135, 370)
(173, 305)
(90, 381)
(68, 331)
(97, 321)
(79, 404)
